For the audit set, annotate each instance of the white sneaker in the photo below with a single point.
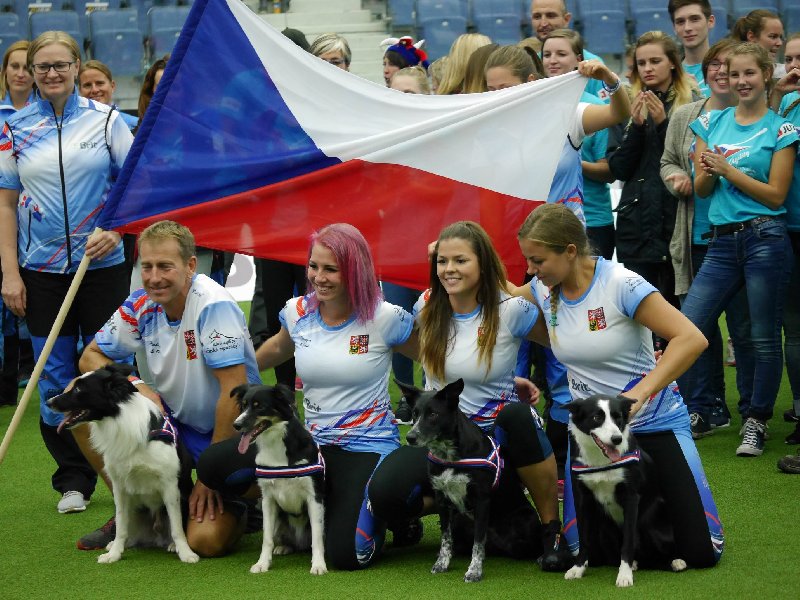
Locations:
(72, 502)
(753, 438)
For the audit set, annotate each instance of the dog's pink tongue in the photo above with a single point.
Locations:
(613, 454)
(61, 425)
(244, 443)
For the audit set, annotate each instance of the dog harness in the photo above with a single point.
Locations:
(625, 459)
(167, 433)
(287, 472)
(493, 462)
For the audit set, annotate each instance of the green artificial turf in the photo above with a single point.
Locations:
(759, 507)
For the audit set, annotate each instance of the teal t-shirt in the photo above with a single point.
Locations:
(700, 223)
(749, 148)
(596, 194)
(792, 203)
(696, 71)
(594, 86)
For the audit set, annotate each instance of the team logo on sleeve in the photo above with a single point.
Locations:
(597, 319)
(219, 342)
(191, 344)
(785, 129)
(359, 344)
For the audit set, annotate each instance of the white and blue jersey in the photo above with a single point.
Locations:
(345, 373)
(567, 185)
(696, 71)
(485, 392)
(604, 349)
(749, 148)
(130, 120)
(62, 166)
(181, 355)
(792, 202)
(7, 106)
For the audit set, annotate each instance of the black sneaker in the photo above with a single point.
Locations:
(752, 438)
(790, 417)
(99, 538)
(556, 557)
(794, 438)
(790, 464)
(701, 426)
(407, 533)
(403, 412)
(720, 415)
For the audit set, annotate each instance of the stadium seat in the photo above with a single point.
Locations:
(402, 13)
(503, 29)
(442, 9)
(651, 20)
(165, 27)
(6, 39)
(791, 18)
(62, 20)
(122, 51)
(9, 24)
(121, 19)
(605, 31)
(488, 8)
(595, 5)
(740, 8)
(721, 28)
(441, 33)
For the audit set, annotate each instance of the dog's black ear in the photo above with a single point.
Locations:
(123, 369)
(626, 404)
(239, 391)
(574, 407)
(410, 392)
(284, 402)
(452, 391)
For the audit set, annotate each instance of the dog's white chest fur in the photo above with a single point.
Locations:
(603, 485)
(290, 493)
(454, 487)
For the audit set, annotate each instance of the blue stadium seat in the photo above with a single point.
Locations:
(605, 31)
(63, 20)
(8, 6)
(120, 19)
(6, 39)
(503, 29)
(740, 8)
(122, 51)
(402, 13)
(791, 18)
(488, 8)
(651, 20)
(721, 28)
(441, 33)
(9, 24)
(442, 9)
(167, 18)
(595, 5)
(162, 41)
(649, 4)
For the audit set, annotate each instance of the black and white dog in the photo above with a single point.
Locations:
(150, 471)
(463, 465)
(621, 512)
(290, 472)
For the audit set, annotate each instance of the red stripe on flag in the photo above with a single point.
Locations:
(398, 209)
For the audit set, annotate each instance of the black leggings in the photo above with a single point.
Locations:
(401, 482)
(353, 538)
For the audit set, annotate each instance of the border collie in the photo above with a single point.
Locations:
(463, 465)
(622, 517)
(290, 472)
(150, 472)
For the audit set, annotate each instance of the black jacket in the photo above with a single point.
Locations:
(646, 210)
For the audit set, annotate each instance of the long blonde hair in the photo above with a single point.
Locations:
(456, 67)
(680, 90)
(18, 45)
(436, 317)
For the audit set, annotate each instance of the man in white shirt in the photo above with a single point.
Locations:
(197, 349)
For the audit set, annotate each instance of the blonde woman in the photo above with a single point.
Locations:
(456, 67)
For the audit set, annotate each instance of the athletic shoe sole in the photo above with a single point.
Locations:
(74, 509)
(786, 466)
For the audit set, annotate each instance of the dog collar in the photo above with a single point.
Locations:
(493, 462)
(625, 459)
(287, 472)
(168, 433)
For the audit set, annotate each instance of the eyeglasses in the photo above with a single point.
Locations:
(714, 65)
(336, 62)
(59, 67)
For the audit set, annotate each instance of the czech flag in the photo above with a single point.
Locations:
(253, 143)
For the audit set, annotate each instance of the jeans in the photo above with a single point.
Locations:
(791, 325)
(760, 259)
(403, 297)
(737, 316)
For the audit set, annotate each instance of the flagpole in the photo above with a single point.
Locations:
(48, 347)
